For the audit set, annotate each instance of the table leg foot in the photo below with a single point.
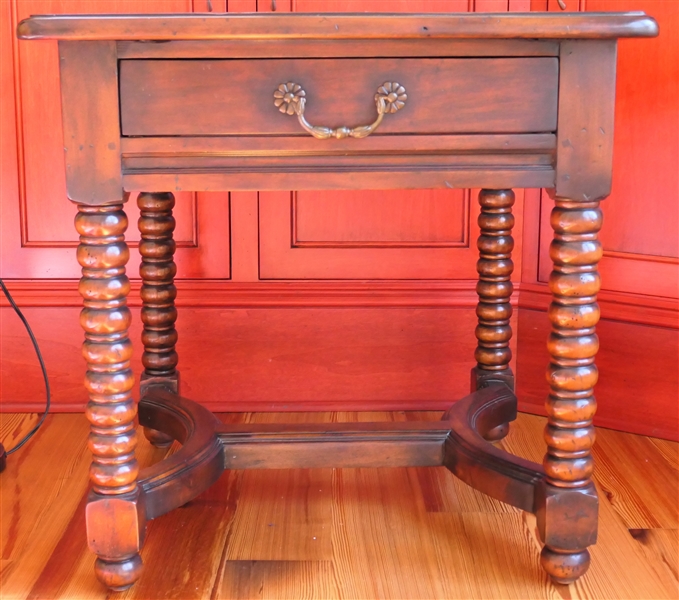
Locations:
(119, 575)
(157, 438)
(497, 433)
(564, 568)
(116, 527)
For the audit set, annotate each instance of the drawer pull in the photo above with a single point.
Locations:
(290, 99)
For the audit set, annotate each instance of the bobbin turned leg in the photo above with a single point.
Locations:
(158, 292)
(494, 288)
(115, 515)
(568, 505)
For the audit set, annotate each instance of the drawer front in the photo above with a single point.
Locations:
(235, 97)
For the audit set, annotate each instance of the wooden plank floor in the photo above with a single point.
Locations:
(337, 533)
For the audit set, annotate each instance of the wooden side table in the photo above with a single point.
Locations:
(256, 102)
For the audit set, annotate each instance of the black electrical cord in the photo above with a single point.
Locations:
(48, 394)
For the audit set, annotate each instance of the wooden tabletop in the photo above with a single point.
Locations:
(338, 26)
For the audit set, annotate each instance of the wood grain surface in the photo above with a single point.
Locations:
(335, 26)
(92, 144)
(337, 533)
(444, 96)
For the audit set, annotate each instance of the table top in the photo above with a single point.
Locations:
(339, 26)
(495, 100)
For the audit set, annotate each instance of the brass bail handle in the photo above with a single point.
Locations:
(290, 99)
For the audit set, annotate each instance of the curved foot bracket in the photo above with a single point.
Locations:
(191, 470)
(477, 461)
(567, 519)
(457, 442)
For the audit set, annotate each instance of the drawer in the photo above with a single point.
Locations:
(235, 97)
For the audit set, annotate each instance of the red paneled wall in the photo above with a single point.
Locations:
(357, 300)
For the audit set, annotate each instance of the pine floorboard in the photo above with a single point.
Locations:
(337, 533)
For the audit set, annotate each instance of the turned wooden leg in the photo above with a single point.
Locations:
(494, 288)
(115, 513)
(567, 511)
(158, 293)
